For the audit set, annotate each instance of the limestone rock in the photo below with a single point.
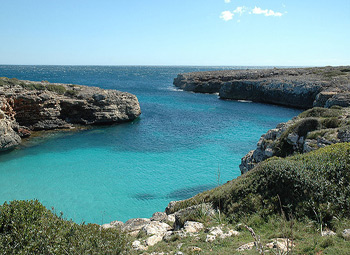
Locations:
(346, 234)
(156, 228)
(152, 240)
(159, 216)
(181, 215)
(171, 207)
(245, 247)
(133, 226)
(210, 238)
(52, 107)
(281, 244)
(217, 231)
(295, 87)
(9, 139)
(328, 233)
(138, 246)
(171, 218)
(113, 224)
(193, 226)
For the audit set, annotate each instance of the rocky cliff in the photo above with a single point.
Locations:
(311, 130)
(27, 106)
(293, 87)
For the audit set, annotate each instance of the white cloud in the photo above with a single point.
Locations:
(266, 12)
(227, 1)
(240, 10)
(226, 15)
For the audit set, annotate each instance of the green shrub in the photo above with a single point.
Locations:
(59, 89)
(27, 227)
(307, 185)
(71, 93)
(330, 122)
(320, 112)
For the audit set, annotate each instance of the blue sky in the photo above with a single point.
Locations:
(175, 32)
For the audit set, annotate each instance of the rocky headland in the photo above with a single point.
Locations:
(292, 87)
(27, 106)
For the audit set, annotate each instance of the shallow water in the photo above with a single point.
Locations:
(173, 151)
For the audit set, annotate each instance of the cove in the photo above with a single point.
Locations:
(173, 151)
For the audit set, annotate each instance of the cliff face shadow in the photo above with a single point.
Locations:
(185, 193)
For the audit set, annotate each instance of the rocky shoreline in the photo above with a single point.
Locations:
(292, 87)
(27, 106)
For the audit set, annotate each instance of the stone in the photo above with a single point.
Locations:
(282, 244)
(113, 224)
(159, 216)
(138, 246)
(217, 231)
(171, 218)
(245, 247)
(152, 240)
(171, 207)
(156, 228)
(292, 138)
(210, 238)
(173, 235)
(195, 249)
(346, 234)
(328, 233)
(133, 226)
(193, 226)
(181, 215)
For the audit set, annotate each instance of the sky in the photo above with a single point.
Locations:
(175, 32)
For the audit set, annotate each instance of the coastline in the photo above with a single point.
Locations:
(292, 87)
(27, 106)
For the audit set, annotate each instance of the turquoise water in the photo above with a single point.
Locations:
(173, 151)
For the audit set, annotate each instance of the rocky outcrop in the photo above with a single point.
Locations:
(293, 87)
(31, 106)
(8, 136)
(312, 129)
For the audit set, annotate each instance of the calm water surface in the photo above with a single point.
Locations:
(173, 151)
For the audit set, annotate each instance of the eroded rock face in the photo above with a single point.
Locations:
(8, 136)
(35, 106)
(294, 87)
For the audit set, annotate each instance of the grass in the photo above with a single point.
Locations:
(305, 233)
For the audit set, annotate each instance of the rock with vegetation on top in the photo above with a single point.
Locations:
(28, 105)
(293, 87)
(312, 129)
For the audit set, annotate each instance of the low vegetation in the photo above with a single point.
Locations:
(313, 185)
(27, 227)
(44, 85)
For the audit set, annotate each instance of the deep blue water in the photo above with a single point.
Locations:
(173, 151)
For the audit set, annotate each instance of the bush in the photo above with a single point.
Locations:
(59, 89)
(71, 93)
(307, 185)
(27, 227)
(320, 112)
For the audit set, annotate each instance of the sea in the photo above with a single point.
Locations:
(183, 143)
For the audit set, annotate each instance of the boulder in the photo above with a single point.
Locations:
(159, 216)
(156, 228)
(346, 234)
(193, 226)
(133, 226)
(138, 246)
(152, 240)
